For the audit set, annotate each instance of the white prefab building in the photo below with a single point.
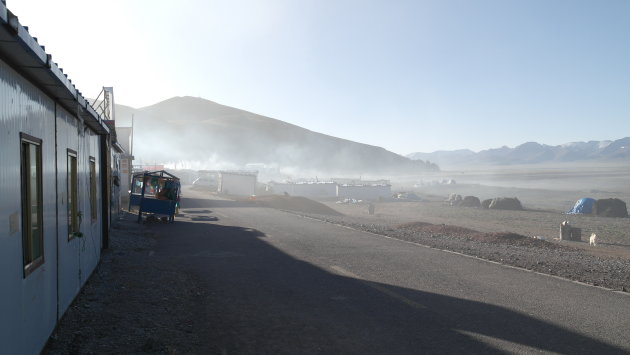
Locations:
(364, 192)
(306, 189)
(124, 137)
(238, 183)
(54, 155)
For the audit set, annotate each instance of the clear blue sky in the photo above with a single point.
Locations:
(405, 75)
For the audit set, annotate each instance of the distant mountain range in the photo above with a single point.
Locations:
(202, 134)
(532, 153)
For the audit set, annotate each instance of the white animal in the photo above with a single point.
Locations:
(593, 240)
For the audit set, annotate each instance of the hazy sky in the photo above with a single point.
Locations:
(405, 75)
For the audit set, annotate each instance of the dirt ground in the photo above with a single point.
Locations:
(526, 239)
(600, 268)
(294, 203)
(613, 233)
(134, 303)
(124, 307)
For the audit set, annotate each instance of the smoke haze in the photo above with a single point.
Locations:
(194, 133)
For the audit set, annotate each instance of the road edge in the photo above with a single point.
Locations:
(627, 294)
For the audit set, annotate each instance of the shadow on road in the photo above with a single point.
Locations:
(258, 299)
(287, 203)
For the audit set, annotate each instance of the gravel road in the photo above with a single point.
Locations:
(139, 302)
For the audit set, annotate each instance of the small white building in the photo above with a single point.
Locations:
(237, 183)
(306, 189)
(364, 192)
(124, 137)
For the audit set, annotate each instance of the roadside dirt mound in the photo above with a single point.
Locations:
(466, 233)
(296, 203)
(437, 229)
(512, 238)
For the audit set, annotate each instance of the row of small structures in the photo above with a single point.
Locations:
(244, 183)
(607, 207)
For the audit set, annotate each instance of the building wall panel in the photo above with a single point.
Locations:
(78, 256)
(69, 280)
(27, 304)
(90, 244)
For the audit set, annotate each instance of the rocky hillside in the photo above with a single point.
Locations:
(213, 136)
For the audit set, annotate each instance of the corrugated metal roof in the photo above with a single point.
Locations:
(22, 51)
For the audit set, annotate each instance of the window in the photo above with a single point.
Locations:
(93, 188)
(73, 195)
(32, 213)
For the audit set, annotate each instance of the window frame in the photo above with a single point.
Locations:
(30, 263)
(93, 190)
(72, 193)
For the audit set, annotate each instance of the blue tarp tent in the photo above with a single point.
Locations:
(583, 206)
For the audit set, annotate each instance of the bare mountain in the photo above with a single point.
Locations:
(204, 134)
(532, 153)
